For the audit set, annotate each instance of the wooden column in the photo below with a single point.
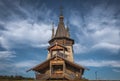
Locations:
(64, 68)
(50, 68)
(64, 53)
(51, 53)
(80, 73)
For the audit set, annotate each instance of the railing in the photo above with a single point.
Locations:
(69, 75)
(56, 75)
(61, 55)
(47, 76)
(42, 76)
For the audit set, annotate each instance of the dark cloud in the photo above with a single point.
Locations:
(10, 11)
(33, 11)
(2, 27)
(2, 49)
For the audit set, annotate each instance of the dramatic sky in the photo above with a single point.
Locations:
(25, 29)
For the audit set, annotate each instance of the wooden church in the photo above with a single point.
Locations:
(59, 64)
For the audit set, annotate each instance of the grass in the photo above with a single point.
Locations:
(14, 80)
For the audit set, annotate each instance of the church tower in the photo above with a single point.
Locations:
(60, 63)
(61, 38)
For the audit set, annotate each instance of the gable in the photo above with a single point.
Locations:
(57, 61)
(57, 47)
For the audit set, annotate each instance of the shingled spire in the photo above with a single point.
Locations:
(61, 30)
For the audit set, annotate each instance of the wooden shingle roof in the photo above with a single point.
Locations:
(46, 64)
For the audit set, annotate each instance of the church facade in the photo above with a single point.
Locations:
(59, 64)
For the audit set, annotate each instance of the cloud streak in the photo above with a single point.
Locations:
(100, 63)
(26, 27)
(99, 28)
(25, 33)
(24, 64)
(116, 70)
(6, 54)
(111, 47)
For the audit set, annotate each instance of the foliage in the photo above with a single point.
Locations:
(18, 77)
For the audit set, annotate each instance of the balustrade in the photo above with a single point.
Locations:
(42, 76)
